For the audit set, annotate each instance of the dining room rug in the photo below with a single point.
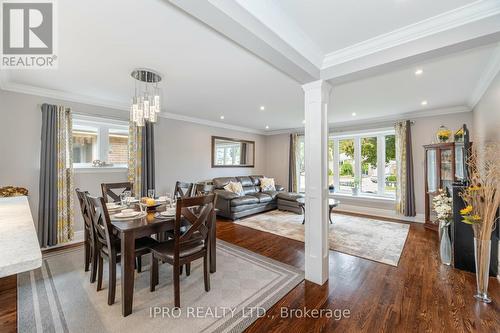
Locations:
(367, 238)
(58, 297)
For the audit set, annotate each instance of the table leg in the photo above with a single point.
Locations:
(213, 237)
(127, 278)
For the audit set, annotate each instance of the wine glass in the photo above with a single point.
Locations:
(151, 193)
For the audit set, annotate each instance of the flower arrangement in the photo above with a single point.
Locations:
(459, 135)
(482, 197)
(12, 191)
(443, 134)
(442, 207)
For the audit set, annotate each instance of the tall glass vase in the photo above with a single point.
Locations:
(482, 250)
(444, 243)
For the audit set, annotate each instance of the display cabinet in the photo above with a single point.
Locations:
(444, 165)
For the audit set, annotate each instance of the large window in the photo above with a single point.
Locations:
(99, 139)
(364, 160)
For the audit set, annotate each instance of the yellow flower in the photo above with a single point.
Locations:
(466, 210)
(474, 188)
(476, 217)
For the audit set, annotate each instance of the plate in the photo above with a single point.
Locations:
(167, 214)
(113, 206)
(126, 215)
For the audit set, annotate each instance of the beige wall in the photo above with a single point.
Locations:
(423, 132)
(486, 114)
(183, 152)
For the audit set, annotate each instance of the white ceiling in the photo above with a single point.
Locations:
(336, 24)
(207, 75)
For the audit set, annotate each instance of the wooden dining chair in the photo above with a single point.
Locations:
(203, 189)
(88, 231)
(186, 247)
(111, 191)
(182, 190)
(108, 244)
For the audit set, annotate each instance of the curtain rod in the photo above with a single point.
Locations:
(39, 105)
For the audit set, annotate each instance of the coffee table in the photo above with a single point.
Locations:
(332, 203)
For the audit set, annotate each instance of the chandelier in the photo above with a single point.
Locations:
(146, 100)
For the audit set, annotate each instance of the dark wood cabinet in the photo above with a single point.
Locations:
(444, 165)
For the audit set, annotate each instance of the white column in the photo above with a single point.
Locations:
(316, 163)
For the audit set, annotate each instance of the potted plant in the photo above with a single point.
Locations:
(442, 207)
(482, 199)
(443, 134)
(355, 186)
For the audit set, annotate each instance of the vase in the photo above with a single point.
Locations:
(482, 250)
(444, 243)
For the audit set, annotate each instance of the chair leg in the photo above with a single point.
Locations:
(93, 267)
(153, 274)
(99, 272)
(139, 264)
(188, 269)
(112, 278)
(180, 270)
(206, 271)
(177, 296)
(87, 252)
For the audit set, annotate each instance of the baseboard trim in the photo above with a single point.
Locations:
(378, 213)
(77, 240)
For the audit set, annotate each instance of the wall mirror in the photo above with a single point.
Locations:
(232, 153)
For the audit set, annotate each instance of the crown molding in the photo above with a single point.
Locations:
(382, 121)
(487, 77)
(70, 97)
(473, 12)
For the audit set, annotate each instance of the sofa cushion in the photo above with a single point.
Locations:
(267, 184)
(235, 188)
(226, 194)
(289, 196)
(250, 190)
(245, 181)
(244, 200)
(262, 197)
(256, 179)
(220, 182)
(272, 194)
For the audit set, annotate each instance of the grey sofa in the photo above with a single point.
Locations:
(233, 206)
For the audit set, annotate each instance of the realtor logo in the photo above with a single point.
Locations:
(28, 34)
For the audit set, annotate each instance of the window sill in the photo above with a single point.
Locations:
(99, 169)
(362, 197)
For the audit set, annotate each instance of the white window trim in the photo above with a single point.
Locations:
(103, 126)
(356, 137)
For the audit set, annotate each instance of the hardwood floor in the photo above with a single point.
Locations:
(420, 295)
(8, 304)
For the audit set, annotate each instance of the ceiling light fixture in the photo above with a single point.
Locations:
(221, 117)
(353, 114)
(267, 127)
(424, 103)
(419, 71)
(262, 108)
(146, 100)
(303, 121)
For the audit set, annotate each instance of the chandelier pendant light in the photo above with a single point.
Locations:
(146, 100)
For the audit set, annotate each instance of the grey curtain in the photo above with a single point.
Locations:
(243, 153)
(405, 191)
(292, 164)
(47, 193)
(148, 158)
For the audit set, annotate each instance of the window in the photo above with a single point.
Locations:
(99, 139)
(301, 165)
(228, 153)
(367, 159)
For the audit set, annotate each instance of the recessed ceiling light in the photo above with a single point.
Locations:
(424, 103)
(353, 114)
(303, 121)
(221, 117)
(419, 71)
(262, 108)
(267, 126)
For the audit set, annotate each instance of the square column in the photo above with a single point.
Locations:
(317, 95)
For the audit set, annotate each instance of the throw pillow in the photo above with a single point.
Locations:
(235, 188)
(267, 184)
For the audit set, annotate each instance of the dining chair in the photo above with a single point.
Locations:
(186, 247)
(113, 190)
(203, 189)
(108, 244)
(89, 244)
(182, 190)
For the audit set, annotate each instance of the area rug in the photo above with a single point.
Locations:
(372, 239)
(59, 298)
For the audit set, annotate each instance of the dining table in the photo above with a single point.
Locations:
(149, 223)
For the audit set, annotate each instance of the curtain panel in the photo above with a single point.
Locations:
(141, 158)
(405, 187)
(55, 207)
(292, 164)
